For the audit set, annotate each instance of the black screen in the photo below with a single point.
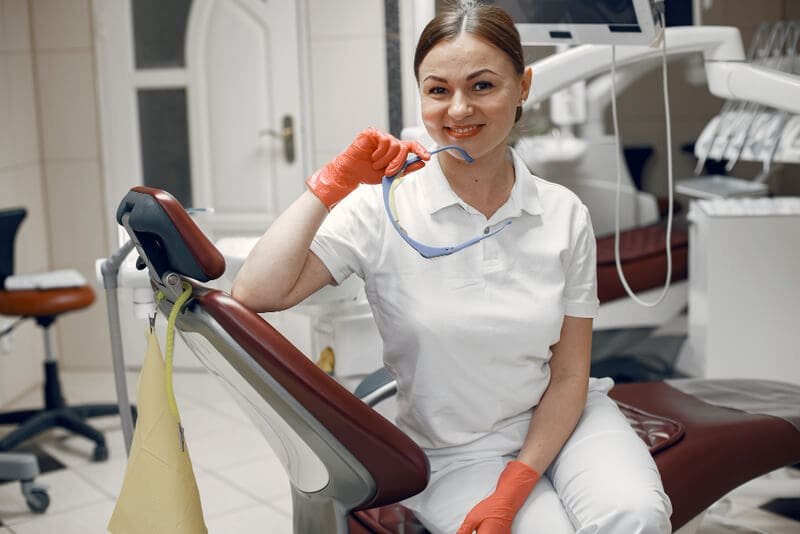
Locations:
(612, 12)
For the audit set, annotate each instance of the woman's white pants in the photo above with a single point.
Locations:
(603, 481)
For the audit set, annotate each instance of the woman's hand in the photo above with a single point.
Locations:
(495, 514)
(371, 156)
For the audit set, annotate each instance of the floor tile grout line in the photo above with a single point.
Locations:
(231, 511)
(89, 481)
(228, 482)
(31, 518)
(248, 507)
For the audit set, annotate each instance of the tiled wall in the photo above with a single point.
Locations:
(21, 184)
(49, 163)
(348, 71)
(63, 46)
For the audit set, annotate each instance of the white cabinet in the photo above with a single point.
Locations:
(744, 289)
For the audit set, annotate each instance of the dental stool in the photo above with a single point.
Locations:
(44, 306)
(348, 466)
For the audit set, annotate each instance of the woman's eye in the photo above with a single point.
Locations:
(437, 91)
(482, 86)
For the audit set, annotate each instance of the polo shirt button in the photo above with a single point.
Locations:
(486, 230)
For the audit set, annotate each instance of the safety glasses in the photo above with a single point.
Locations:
(390, 184)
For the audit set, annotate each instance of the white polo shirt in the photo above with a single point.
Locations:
(467, 336)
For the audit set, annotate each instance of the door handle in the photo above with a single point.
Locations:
(286, 135)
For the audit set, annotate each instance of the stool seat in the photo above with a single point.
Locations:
(43, 297)
(45, 302)
(644, 260)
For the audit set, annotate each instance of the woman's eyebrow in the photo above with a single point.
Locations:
(436, 78)
(469, 77)
(480, 72)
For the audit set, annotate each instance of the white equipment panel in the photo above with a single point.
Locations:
(744, 289)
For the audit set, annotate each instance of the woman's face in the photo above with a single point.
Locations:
(469, 92)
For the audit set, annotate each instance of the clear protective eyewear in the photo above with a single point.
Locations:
(390, 183)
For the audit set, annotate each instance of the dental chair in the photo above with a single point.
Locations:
(348, 466)
(44, 304)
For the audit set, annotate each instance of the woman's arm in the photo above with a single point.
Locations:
(553, 421)
(281, 270)
(561, 406)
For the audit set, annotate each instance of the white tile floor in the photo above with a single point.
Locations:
(242, 485)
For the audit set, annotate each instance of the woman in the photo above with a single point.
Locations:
(490, 346)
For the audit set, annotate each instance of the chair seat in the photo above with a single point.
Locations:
(45, 302)
(644, 260)
(702, 452)
(722, 448)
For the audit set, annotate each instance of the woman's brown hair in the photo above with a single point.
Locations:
(490, 23)
(487, 22)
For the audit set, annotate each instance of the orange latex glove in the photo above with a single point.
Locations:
(371, 156)
(495, 513)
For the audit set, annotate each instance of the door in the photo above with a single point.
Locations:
(205, 98)
(246, 110)
(202, 98)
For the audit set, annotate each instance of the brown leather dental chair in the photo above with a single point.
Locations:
(44, 305)
(347, 465)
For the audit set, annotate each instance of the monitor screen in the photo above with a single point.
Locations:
(582, 21)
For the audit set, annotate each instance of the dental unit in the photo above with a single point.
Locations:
(349, 468)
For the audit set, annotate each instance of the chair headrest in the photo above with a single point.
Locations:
(167, 236)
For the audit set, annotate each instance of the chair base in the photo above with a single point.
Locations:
(56, 414)
(70, 418)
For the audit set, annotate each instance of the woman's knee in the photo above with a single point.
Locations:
(643, 513)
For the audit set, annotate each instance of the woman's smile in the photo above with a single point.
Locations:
(463, 132)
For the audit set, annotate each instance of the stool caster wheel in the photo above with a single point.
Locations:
(36, 497)
(100, 453)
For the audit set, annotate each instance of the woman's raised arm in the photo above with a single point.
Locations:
(281, 271)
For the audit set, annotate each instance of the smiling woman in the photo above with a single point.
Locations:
(470, 93)
(489, 345)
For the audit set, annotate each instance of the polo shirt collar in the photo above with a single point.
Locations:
(524, 195)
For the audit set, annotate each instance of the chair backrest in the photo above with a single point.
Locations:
(339, 454)
(10, 220)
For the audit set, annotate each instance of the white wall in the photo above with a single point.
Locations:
(65, 90)
(348, 70)
(21, 184)
(50, 164)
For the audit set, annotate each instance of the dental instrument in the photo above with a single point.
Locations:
(747, 132)
(728, 76)
(727, 107)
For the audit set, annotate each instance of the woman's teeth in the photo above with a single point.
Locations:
(463, 131)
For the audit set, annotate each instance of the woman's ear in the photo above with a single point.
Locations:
(527, 80)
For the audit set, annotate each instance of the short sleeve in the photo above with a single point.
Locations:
(348, 241)
(580, 290)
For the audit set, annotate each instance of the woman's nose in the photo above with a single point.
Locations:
(460, 106)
